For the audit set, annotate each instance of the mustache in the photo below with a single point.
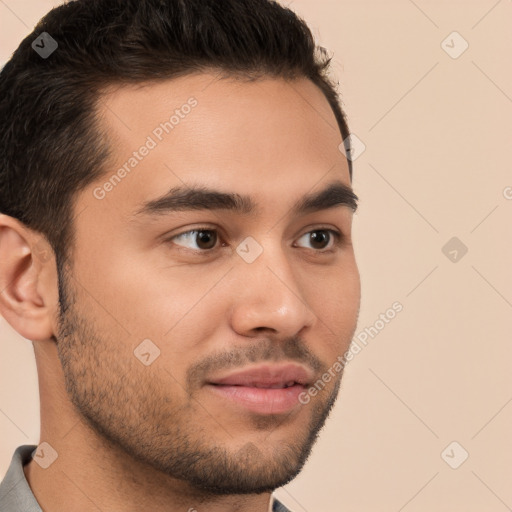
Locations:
(262, 351)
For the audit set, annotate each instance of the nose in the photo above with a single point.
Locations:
(270, 296)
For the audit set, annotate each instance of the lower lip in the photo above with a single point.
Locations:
(261, 400)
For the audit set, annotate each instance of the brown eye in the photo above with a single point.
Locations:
(321, 238)
(206, 239)
(203, 239)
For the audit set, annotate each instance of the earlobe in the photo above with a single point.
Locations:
(27, 301)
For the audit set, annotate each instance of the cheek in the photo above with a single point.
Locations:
(177, 308)
(148, 295)
(336, 300)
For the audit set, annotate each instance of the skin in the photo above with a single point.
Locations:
(131, 437)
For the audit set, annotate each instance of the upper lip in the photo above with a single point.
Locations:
(267, 376)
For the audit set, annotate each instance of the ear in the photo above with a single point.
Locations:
(28, 280)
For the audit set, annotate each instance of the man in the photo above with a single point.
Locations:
(175, 240)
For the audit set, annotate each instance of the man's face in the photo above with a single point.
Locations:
(154, 319)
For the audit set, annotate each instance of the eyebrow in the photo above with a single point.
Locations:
(199, 197)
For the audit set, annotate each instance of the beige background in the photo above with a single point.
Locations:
(437, 132)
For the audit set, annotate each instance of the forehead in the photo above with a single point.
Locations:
(268, 136)
(141, 102)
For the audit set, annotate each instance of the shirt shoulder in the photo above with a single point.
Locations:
(15, 493)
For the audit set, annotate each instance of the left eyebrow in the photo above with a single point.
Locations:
(198, 197)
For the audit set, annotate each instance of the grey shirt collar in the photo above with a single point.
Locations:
(15, 493)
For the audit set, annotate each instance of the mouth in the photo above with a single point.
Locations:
(263, 389)
(261, 385)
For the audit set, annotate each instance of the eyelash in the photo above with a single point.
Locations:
(339, 239)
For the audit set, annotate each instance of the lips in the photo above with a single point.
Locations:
(264, 389)
(267, 376)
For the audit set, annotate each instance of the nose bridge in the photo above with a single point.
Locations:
(271, 295)
(269, 263)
